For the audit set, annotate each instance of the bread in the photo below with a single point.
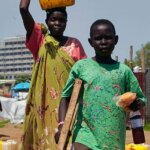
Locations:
(126, 99)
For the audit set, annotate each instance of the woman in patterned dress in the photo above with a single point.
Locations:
(54, 55)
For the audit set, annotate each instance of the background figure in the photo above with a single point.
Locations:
(100, 124)
(54, 55)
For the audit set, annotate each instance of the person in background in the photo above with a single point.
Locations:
(54, 55)
(100, 123)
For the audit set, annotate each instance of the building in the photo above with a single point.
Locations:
(15, 58)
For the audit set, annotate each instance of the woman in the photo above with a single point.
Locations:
(54, 55)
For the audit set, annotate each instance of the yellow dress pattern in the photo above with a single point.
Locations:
(50, 73)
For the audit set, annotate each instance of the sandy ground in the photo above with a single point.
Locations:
(11, 131)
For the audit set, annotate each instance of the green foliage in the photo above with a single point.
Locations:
(147, 127)
(129, 63)
(137, 59)
(3, 123)
(1, 77)
(23, 78)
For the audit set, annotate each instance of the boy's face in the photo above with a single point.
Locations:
(56, 23)
(103, 39)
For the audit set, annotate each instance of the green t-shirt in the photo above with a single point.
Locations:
(101, 124)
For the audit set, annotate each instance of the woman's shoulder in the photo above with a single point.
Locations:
(73, 40)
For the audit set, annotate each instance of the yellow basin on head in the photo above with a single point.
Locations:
(47, 4)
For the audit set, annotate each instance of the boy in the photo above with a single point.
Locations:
(100, 124)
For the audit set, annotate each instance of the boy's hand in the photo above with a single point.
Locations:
(57, 134)
(136, 105)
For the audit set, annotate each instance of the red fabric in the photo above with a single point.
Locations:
(73, 46)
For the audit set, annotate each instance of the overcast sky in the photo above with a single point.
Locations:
(130, 17)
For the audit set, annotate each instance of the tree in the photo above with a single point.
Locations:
(23, 78)
(137, 59)
(1, 77)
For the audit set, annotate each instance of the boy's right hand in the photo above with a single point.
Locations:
(136, 105)
(57, 133)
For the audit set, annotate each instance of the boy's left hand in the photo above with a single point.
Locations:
(136, 105)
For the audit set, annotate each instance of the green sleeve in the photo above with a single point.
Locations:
(132, 85)
(74, 73)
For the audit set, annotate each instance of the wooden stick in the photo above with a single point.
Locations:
(70, 115)
(116, 58)
(72, 124)
(143, 60)
(131, 57)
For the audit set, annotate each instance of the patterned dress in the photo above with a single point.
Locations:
(50, 73)
(100, 123)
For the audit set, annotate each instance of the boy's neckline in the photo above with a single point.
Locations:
(109, 62)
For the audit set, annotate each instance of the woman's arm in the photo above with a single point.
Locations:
(28, 21)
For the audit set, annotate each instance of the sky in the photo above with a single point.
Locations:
(130, 17)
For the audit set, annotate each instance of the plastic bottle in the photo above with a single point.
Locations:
(137, 127)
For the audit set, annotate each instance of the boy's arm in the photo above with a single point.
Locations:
(133, 86)
(65, 100)
(63, 107)
(136, 105)
(28, 21)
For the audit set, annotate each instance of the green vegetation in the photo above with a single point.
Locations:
(147, 127)
(137, 59)
(145, 49)
(23, 78)
(1, 77)
(3, 123)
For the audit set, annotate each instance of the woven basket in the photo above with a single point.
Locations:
(47, 4)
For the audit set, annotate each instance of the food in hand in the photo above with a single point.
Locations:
(126, 99)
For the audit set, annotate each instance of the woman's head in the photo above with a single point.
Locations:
(103, 37)
(56, 20)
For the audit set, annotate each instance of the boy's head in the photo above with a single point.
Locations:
(103, 37)
(56, 20)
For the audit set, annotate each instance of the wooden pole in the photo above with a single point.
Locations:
(70, 115)
(143, 60)
(143, 110)
(131, 57)
(116, 58)
(72, 124)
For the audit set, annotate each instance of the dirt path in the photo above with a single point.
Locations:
(11, 131)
